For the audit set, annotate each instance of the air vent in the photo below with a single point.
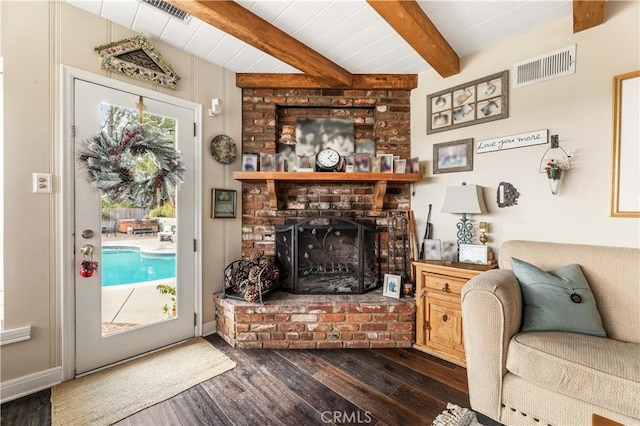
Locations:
(167, 8)
(545, 67)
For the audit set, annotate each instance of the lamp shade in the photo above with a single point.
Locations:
(464, 199)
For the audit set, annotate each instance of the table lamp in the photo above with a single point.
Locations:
(464, 199)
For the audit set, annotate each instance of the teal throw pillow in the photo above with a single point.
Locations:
(557, 300)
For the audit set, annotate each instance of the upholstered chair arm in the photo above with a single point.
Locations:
(491, 315)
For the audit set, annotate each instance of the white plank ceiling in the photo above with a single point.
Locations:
(347, 32)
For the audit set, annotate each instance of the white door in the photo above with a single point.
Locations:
(120, 310)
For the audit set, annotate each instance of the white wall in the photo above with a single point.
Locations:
(577, 107)
(37, 37)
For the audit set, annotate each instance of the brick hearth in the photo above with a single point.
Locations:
(287, 321)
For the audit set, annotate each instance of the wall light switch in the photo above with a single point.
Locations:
(42, 183)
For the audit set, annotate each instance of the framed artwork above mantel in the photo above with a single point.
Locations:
(478, 101)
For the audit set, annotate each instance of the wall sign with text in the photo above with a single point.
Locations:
(536, 137)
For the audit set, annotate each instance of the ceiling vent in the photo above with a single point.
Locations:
(171, 10)
(545, 67)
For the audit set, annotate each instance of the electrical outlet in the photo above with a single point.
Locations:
(42, 183)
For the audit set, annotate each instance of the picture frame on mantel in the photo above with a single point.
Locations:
(478, 101)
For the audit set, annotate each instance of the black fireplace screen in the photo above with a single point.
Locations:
(328, 256)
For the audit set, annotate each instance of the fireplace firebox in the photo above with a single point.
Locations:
(328, 255)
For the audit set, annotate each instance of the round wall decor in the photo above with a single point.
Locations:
(223, 149)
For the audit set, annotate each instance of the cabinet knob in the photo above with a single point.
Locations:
(446, 288)
(445, 318)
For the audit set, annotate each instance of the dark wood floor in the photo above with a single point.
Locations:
(297, 387)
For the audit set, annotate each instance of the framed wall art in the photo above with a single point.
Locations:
(626, 146)
(456, 156)
(479, 101)
(392, 284)
(223, 203)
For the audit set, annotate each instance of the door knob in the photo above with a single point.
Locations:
(87, 250)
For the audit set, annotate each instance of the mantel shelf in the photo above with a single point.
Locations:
(379, 180)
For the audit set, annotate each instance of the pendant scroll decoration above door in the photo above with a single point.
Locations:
(137, 58)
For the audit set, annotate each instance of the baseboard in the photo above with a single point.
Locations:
(31, 383)
(209, 328)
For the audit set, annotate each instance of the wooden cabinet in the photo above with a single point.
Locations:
(438, 312)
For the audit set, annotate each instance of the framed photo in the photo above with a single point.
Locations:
(626, 139)
(281, 162)
(267, 162)
(392, 285)
(361, 162)
(432, 250)
(479, 101)
(413, 165)
(375, 165)
(249, 162)
(456, 156)
(473, 253)
(400, 166)
(315, 134)
(223, 203)
(449, 252)
(386, 163)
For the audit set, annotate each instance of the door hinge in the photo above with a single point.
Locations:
(194, 129)
(427, 326)
(195, 319)
(195, 245)
(73, 130)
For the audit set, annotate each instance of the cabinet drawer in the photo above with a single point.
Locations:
(443, 283)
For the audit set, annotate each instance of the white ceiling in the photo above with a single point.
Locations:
(347, 32)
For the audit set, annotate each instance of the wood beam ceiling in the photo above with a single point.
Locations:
(587, 14)
(305, 81)
(239, 22)
(408, 19)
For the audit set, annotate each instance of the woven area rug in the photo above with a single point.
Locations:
(112, 394)
(455, 415)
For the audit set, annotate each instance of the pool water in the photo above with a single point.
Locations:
(128, 265)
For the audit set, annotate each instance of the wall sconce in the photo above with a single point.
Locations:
(464, 199)
(554, 162)
(216, 107)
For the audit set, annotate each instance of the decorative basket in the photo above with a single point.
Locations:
(250, 280)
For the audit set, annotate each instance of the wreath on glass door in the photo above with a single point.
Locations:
(135, 165)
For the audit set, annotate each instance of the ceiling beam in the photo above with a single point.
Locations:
(239, 22)
(587, 14)
(305, 81)
(408, 19)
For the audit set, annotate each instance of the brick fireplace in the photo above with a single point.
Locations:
(320, 321)
(380, 115)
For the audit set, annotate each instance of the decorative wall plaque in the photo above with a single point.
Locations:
(137, 58)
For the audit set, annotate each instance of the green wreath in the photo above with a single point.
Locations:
(113, 162)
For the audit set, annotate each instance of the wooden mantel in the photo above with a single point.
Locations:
(379, 180)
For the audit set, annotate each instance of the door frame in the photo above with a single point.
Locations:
(65, 166)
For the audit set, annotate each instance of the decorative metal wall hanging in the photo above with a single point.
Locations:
(507, 195)
(479, 101)
(137, 58)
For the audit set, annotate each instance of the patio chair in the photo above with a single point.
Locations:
(110, 228)
(167, 233)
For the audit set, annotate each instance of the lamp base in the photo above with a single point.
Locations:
(465, 230)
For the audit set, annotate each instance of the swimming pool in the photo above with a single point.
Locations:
(126, 265)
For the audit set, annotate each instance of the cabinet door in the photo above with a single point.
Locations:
(445, 325)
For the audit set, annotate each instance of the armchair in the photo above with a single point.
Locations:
(554, 377)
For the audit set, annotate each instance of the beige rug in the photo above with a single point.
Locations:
(110, 395)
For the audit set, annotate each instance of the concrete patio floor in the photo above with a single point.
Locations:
(128, 305)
